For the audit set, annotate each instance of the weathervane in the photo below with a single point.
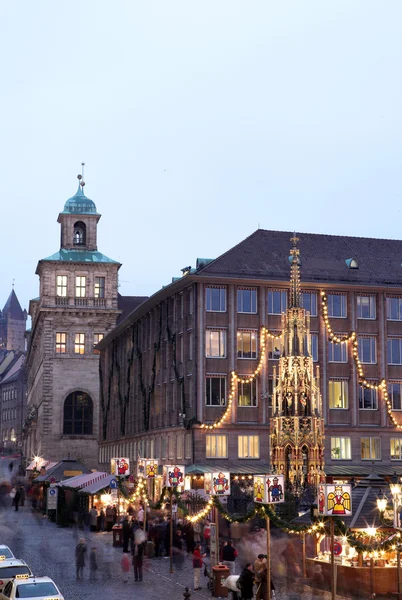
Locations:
(81, 177)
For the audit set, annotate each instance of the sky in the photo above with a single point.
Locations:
(198, 122)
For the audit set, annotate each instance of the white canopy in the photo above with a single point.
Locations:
(83, 482)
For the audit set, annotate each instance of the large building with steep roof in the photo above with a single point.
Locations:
(12, 324)
(76, 308)
(167, 385)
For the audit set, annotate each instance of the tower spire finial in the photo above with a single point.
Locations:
(295, 294)
(80, 177)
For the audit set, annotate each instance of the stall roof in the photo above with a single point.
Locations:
(61, 470)
(40, 464)
(86, 480)
(96, 486)
(241, 468)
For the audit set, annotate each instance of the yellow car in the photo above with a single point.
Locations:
(31, 588)
(13, 567)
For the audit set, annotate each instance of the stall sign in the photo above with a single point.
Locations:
(337, 548)
(220, 484)
(334, 499)
(120, 467)
(208, 483)
(52, 494)
(173, 476)
(269, 489)
(141, 467)
(151, 468)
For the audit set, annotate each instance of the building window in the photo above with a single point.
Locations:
(79, 343)
(188, 446)
(99, 287)
(396, 448)
(277, 302)
(247, 393)
(314, 347)
(394, 309)
(61, 343)
(341, 448)
(215, 391)
(395, 395)
(78, 414)
(370, 448)
(79, 234)
(215, 299)
(61, 286)
(80, 286)
(337, 352)
(309, 302)
(338, 394)
(179, 446)
(163, 447)
(367, 398)
(367, 350)
(246, 344)
(98, 337)
(216, 446)
(366, 307)
(248, 446)
(394, 346)
(215, 343)
(247, 301)
(336, 304)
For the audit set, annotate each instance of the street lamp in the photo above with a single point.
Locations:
(396, 490)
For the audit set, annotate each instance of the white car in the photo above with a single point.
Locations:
(5, 552)
(38, 588)
(13, 568)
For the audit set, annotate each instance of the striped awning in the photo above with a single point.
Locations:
(82, 482)
(96, 486)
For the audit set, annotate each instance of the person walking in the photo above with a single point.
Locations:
(197, 565)
(93, 564)
(93, 519)
(80, 551)
(138, 555)
(102, 520)
(109, 518)
(261, 580)
(246, 582)
(127, 534)
(17, 498)
(229, 554)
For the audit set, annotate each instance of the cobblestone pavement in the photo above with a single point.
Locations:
(49, 550)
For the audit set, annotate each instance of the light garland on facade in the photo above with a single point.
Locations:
(236, 378)
(352, 337)
(202, 513)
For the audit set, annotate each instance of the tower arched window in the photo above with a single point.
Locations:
(80, 231)
(78, 414)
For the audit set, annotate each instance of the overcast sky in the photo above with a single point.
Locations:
(198, 122)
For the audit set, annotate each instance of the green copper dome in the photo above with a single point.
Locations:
(79, 204)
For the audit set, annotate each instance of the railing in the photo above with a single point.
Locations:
(88, 302)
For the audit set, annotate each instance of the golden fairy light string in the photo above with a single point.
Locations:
(352, 337)
(236, 378)
(202, 513)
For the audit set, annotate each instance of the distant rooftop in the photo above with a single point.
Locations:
(79, 204)
(127, 304)
(13, 308)
(65, 255)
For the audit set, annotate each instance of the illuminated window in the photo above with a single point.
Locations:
(61, 286)
(396, 448)
(247, 393)
(98, 337)
(61, 343)
(248, 446)
(246, 344)
(338, 394)
(247, 301)
(341, 448)
(216, 446)
(99, 287)
(215, 343)
(80, 286)
(79, 343)
(370, 448)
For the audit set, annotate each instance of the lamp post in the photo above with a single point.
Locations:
(396, 489)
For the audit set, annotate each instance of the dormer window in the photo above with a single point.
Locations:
(79, 234)
(352, 263)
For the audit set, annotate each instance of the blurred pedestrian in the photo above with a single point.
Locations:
(80, 551)
(138, 555)
(17, 498)
(125, 567)
(127, 534)
(229, 554)
(197, 565)
(246, 582)
(109, 518)
(102, 520)
(93, 519)
(93, 564)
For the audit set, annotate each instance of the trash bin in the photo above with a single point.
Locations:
(219, 572)
(117, 531)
